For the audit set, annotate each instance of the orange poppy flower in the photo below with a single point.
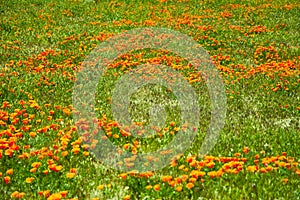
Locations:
(179, 188)
(156, 187)
(190, 185)
(6, 179)
(10, 171)
(29, 180)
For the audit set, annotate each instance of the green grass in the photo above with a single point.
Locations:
(44, 43)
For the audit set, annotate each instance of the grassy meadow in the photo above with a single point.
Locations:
(255, 46)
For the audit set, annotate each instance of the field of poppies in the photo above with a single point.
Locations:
(255, 47)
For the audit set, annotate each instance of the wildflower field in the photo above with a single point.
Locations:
(254, 45)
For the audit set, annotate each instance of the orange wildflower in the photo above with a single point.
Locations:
(262, 170)
(10, 171)
(33, 170)
(269, 168)
(172, 124)
(166, 178)
(64, 193)
(70, 175)
(148, 187)
(46, 193)
(251, 168)
(15, 194)
(246, 149)
(29, 180)
(21, 195)
(36, 164)
(100, 187)
(179, 188)
(190, 185)
(73, 170)
(212, 174)
(192, 180)
(184, 177)
(237, 154)
(123, 175)
(285, 180)
(32, 134)
(210, 164)
(56, 196)
(64, 153)
(156, 187)
(178, 180)
(190, 159)
(6, 179)
(172, 183)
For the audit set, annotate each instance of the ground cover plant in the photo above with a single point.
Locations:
(255, 45)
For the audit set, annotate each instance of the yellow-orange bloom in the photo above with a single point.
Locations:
(64, 193)
(33, 170)
(148, 187)
(184, 177)
(177, 180)
(56, 196)
(212, 174)
(237, 154)
(36, 164)
(192, 180)
(251, 168)
(15, 194)
(269, 168)
(156, 187)
(46, 193)
(123, 175)
(181, 167)
(172, 183)
(196, 173)
(127, 197)
(75, 150)
(32, 134)
(262, 170)
(179, 188)
(70, 175)
(210, 164)
(29, 180)
(190, 159)
(64, 153)
(190, 185)
(73, 170)
(285, 180)
(166, 178)
(21, 195)
(10, 171)
(6, 179)
(246, 150)
(193, 163)
(134, 150)
(126, 146)
(100, 187)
